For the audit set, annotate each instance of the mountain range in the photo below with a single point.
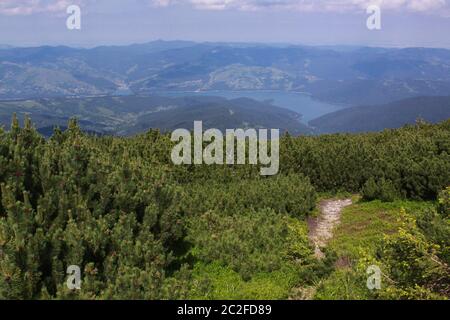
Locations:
(118, 89)
(355, 76)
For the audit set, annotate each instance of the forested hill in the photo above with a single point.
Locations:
(140, 227)
(128, 115)
(380, 117)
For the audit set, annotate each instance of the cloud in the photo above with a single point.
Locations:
(28, 7)
(309, 5)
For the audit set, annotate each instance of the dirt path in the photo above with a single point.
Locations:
(321, 228)
(320, 232)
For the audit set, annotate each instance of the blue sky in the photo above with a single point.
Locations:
(315, 22)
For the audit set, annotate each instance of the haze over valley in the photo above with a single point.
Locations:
(311, 81)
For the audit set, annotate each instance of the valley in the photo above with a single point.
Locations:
(295, 113)
(360, 75)
(126, 90)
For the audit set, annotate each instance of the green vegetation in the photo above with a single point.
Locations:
(413, 162)
(140, 227)
(408, 241)
(365, 223)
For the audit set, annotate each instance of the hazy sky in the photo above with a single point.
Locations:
(326, 22)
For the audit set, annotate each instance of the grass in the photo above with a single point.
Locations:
(223, 279)
(364, 224)
(342, 285)
(222, 283)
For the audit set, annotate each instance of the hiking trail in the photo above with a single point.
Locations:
(320, 232)
(321, 227)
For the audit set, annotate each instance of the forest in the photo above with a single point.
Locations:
(140, 227)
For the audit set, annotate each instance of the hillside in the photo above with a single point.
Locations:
(126, 115)
(140, 227)
(380, 117)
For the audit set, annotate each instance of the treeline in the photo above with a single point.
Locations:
(139, 227)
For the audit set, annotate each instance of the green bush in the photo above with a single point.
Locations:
(437, 230)
(250, 242)
(291, 195)
(414, 161)
(444, 202)
(412, 263)
(383, 190)
(138, 226)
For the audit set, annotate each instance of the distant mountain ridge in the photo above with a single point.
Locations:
(380, 117)
(352, 76)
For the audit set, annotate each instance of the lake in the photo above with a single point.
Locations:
(299, 102)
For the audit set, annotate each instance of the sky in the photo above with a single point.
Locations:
(404, 23)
